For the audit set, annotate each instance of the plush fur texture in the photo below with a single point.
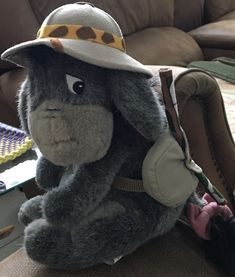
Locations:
(64, 146)
(81, 220)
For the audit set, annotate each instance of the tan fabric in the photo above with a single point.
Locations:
(165, 176)
(166, 45)
(128, 184)
(176, 254)
(216, 35)
(216, 8)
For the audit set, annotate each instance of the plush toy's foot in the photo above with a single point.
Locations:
(54, 247)
(47, 245)
(30, 210)
(110, 232)
(81, 248)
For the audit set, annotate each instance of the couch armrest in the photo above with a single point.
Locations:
(227, 16)
(202, 115)
(203, 118)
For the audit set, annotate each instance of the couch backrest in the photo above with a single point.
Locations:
(17, 24)
(188, 14)
(131, 15)
(217, 8)
(20, 19)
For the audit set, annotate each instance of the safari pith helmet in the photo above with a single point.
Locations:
(84, 32)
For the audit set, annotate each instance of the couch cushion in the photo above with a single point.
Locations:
(166, 45)
(216, 8)
(131, 15)
(216, 35)
(212, 53)
(175, 254)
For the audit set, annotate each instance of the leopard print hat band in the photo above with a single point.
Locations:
(82, 32)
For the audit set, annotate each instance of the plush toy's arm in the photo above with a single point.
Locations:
(48, 175)
(84, 190)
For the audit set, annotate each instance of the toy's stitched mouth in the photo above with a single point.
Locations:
(49, 113)
(61, 141)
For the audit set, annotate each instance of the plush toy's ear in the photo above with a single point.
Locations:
(136, 100)
(23, 105)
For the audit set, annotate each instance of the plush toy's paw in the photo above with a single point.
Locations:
(59, 207)
(41, 240)
(30, 210)
(48, 175)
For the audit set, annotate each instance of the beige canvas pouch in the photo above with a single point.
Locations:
(165, 175)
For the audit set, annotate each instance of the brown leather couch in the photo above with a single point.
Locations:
(169, 32)
(158, 33)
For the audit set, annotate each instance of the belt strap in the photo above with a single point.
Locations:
(128, 184)
(171, 108)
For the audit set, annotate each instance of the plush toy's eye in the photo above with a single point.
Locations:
(75, 84)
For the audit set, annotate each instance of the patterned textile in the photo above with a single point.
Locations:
(13, 143)
(222, 67)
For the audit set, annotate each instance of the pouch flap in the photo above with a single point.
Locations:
(165, 176)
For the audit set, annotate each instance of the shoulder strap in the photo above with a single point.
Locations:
(170, 101)
(169, 97)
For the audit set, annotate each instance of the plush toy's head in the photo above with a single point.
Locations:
(67, 107)
(77, 69)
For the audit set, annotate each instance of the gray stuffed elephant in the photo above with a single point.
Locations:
(92, 112)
